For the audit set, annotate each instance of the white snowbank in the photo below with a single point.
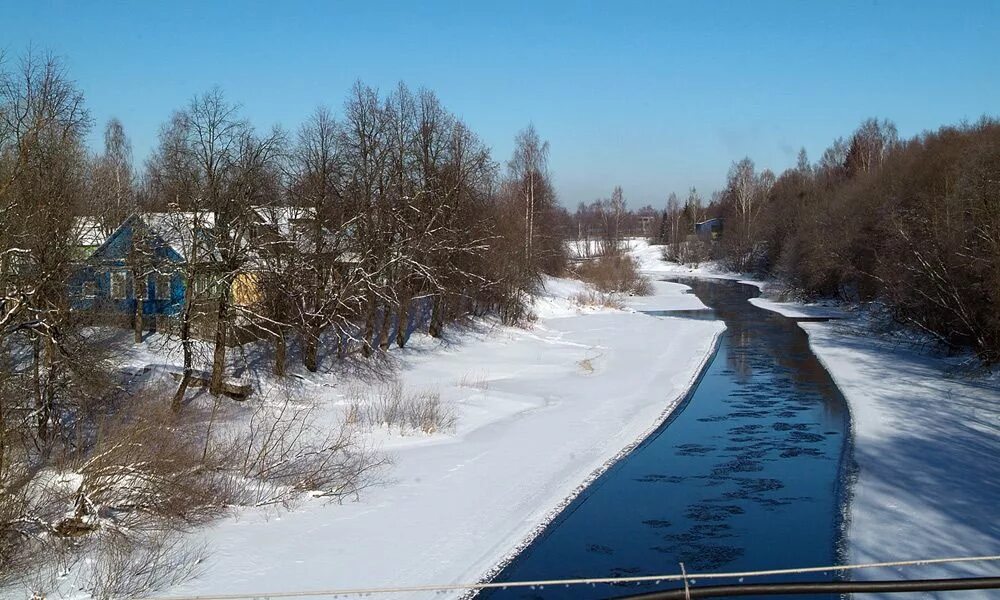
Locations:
(666, 296)
(555, 299)
(927, 451)
(593, 247)
(798, 310)
(650, 259)
(547, 408)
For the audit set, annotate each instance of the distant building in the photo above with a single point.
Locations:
(646, 224)
(710, 229)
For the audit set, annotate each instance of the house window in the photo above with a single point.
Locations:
(118, 288)
(163, 287)
(89, 289)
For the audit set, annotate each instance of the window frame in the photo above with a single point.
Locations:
(119, 284)
(163, 286)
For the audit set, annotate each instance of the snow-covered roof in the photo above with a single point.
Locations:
(284, 216)
(177, 228)
(293, 223)
(87, 231)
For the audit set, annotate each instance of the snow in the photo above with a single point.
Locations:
(556, 298)
(541, 411)
(797, 310)
(649, 257)
(87, 232)
(594, 247)
(926, 446)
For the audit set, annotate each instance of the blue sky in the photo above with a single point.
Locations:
(652, 96)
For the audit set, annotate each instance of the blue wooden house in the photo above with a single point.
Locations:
(103, 282)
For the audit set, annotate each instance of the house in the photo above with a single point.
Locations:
(103, 281)
(162, 245)
(296, 226)
(86, 236)
(710, 229)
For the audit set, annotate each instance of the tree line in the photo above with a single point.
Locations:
(913, 224)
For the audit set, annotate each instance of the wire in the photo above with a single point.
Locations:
(583, 581)
(820, 587)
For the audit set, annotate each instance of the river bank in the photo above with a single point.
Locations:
(540, 412)
(926, 447)
(927, 442)
(926, 437)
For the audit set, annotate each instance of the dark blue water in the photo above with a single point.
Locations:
(746, 475)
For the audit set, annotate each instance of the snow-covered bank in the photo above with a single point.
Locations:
(650, 259)
(798, 310)
(926, 450)
(547, 408)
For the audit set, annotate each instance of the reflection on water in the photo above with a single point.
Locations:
(744, 476)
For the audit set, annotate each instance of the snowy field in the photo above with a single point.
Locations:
(540, 412)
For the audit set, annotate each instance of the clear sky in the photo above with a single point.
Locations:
(652, 96)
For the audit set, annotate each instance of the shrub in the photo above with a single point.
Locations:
(598, 299)
(389, 406)
(146, 474)
(615, 274)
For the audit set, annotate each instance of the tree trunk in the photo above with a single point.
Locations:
(342, 342)
(219, 356)
(404, 320)
(369, 330)
(436, 326)
(3, 440)
(383, 334)
(139, 291)
(280, 350)
(310, 350)
(42, 413)
(178, 401)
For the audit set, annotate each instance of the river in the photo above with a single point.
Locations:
(747, 474)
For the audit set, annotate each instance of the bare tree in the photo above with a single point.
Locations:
(113, 179)
(529, 168)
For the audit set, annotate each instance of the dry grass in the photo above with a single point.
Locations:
(589, 364)
(390, 406)
(475, 381)
(284, 453)
(598, 299)
(615, 274)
